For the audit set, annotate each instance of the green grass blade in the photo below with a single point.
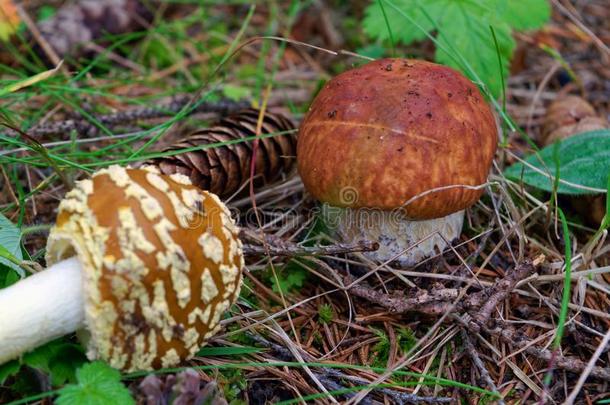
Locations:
(565, 300)
(227, 351)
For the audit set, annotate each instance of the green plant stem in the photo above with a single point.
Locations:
(565, 300)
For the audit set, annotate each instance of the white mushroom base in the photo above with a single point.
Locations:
(400, 239)
(41, 308)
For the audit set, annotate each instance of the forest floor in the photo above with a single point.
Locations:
(472, 325)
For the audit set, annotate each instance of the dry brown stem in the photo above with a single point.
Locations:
(86, 128)
(291, 250)
(492, 296)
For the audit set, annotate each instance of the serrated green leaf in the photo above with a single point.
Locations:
(584, 165)
(463, 28)
(375, 26)
(527, 14)
(98, 384)
(10, 240)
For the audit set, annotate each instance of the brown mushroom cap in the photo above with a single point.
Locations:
(161, 263)
(381, 134)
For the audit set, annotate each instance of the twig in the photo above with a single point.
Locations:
(439, 301)
(164, 110)
(292, 249)
(399, 397)
(432, 303)
(476, 360)
(583, 377)
(499, 291)
(334, 386)
(573, 364)
(264, 243)
(40, 39)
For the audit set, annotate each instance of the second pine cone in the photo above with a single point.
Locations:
(224, 169)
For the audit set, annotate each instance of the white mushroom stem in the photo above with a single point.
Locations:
(40, 308)
(400, 238)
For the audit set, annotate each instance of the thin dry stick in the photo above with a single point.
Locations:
(292, 249)
(438, 301)
(168, 109)
(573, 364)
(334, 386)
(585, 374)
(501, 289)
(432, 303)
(46, 47)
(598, 42)
(476, 360)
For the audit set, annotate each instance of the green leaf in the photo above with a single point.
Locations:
(461, 28)
(59, 359)
(10, 245)
(98, 384)
(527, 14)
(584, 165)
(375, 26)
(8, 277)
(64, 363)
(8, 369)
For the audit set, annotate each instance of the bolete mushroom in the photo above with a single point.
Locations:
(397, 149)
(142, 264)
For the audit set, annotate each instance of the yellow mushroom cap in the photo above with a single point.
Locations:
(161, 263)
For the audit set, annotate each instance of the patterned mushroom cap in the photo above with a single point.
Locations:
(398, 133)
(161, 263)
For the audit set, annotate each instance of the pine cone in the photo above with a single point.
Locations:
(88, 20)
(224, 169)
